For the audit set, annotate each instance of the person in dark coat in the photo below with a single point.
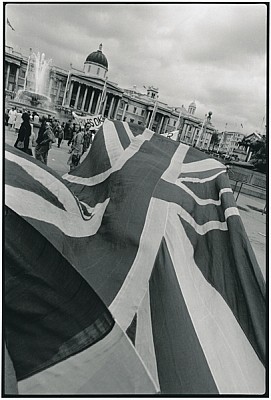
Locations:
(24, 134)
(44, 143)
(68, 134)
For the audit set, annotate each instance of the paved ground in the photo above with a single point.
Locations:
(250, 207)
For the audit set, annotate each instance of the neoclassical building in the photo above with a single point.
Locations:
(89, 91)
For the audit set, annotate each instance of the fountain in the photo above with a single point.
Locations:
(34, 95)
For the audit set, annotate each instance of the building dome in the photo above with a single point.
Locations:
(192, 108)
(97, 57)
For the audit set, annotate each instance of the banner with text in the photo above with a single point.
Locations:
(95, 121)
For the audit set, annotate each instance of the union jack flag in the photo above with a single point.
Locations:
(131, 275)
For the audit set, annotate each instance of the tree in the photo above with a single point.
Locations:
(259, 156)
(244, 143)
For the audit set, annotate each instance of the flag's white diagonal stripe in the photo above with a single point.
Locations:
(128, 131)
(202, 165)
(144, 337)
(128, 153)
(112, 142)
(200, 180)
(56, 187)
(173, 171)
(204, 201)
(233, 362)
(110, 366)
(210, 225)
(29, 204)
(135, 285)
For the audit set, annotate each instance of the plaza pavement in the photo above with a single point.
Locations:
(250, 208)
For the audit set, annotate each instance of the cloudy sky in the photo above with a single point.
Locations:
(214, 54)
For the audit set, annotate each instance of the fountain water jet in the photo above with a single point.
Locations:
(35, 92)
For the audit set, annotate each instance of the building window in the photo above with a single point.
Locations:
(132, 120)
(134, 110)
(174, 123)
(139, 122)
(142, 113)
(121, 105)
(22, 73)
(98, 71)
(89, 68)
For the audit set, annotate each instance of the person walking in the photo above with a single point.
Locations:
(24, 134)
(76, 148)
(68, 132)
(32, 142)
(44, 143)
(18, 121)
(87, 138)
(42, 128)
(12, 115)
(36, 118)
(59, 134)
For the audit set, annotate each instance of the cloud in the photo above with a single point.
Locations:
(212, 53)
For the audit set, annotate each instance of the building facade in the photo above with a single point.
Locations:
(90, 92)
(229, 141)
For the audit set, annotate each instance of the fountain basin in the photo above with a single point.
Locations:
(41, 111)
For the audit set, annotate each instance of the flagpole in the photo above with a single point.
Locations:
(201, 130)
(222, 138)
(153, 115)
(66, 87)
(103, 95)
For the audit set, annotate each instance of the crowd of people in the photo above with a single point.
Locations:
(79, 137)
(13, 117)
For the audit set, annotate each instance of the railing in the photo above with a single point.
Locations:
(247, 177)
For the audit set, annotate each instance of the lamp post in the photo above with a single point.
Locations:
(66, 87)
(153, 115)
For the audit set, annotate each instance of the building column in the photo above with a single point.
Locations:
(116, 110)
(91, 100)
(111, 107)
(98, 105)
(193, 135)
(164, 127)
(183, 132)
(124, 111)
(7, 76)
(104, 105)
(84, 98)
(77, 95)
(58, 90)
(209, 140)
(50, 86)
(161, 123)
(16, 78)
(70, 94)
(148, 118)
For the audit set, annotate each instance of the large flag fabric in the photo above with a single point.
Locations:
(143, 282)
